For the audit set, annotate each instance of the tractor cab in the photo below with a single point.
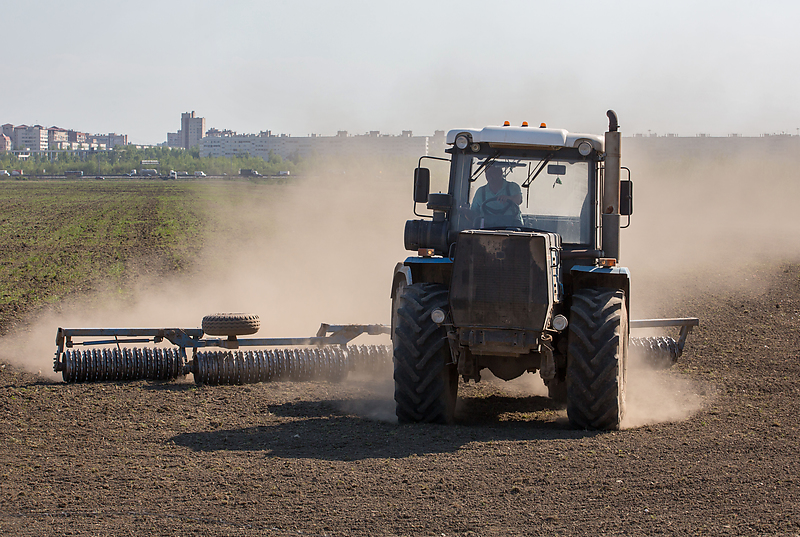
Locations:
(549, 181)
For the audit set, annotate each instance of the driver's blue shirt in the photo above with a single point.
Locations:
(494, 213)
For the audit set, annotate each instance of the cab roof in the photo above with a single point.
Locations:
(527, 136)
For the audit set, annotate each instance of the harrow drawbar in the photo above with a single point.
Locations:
(326, 356)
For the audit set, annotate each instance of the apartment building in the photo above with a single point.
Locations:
(29, 138)
(192, 129)
(109, 140)
(174, 139)
(77, 137)
(191, 132)
(56, 135)
(228, 144)
(24, 138)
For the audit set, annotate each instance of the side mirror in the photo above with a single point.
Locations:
(626, 197)
(422, 185)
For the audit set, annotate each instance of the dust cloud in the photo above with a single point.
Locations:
(373, 395)
(708, 214)
(320, 248)
(655, 396)
(526, 384)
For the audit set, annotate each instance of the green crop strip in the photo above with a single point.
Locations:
(58, 237)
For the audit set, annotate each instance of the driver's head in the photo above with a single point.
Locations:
(494, 173)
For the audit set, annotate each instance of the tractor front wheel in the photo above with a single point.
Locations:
(597, 358)
(425, 379)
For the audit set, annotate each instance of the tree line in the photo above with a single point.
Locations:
(122, 159)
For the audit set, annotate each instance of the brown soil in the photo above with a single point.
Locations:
(324, 459)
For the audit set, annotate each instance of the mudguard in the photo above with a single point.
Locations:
(584, 276)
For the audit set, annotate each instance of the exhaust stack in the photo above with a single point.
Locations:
(610, 198)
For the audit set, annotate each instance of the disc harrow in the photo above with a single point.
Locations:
(661, 352)
(331, 363)
(122, 364)
(657, 352)
(326, 356)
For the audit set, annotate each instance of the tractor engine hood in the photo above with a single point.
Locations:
(506, 280)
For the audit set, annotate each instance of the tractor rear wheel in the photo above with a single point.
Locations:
(597, 358)
(425, 379)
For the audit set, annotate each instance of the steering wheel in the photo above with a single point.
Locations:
(487, 209)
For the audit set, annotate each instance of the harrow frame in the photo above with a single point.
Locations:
(192, 338)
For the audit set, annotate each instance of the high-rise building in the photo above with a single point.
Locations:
(191, 132)
(193, 129)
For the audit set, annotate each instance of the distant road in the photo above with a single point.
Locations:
(145, 177)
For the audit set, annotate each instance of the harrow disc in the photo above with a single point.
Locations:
(330, 363)
(122, 364)
(657, 352)
(369, 358)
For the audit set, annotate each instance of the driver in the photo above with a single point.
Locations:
(496, 204)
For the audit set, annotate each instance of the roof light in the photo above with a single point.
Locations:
(584, 148)
(462, 141)
(543, 126)
(524, 123)
(506, 124)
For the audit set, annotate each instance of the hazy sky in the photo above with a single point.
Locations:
(302, 66)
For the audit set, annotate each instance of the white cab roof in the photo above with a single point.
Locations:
(527, 136)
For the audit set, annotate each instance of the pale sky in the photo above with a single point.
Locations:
(303, 66)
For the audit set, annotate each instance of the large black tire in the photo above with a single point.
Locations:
(231, 324)
(425, 379)
(597, 359)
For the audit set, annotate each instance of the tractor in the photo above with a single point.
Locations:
(517, 270)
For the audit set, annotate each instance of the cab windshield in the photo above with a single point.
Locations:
(534, 193)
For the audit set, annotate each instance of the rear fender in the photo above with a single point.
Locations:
(423, 270)
(584, 276)
(419, 270)
(401, 277)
